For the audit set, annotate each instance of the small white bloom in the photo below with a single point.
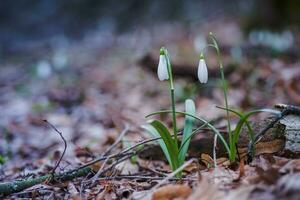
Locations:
(202, 70)
(162, 70)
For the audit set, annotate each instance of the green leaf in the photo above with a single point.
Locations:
(169, 142)
(238, 113)
(153, 132)
(244, 120)
(249, 114)
(188, 129)
(197, 118)
(240, 124)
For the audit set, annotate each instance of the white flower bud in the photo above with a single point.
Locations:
(162, 70)
(202, 70)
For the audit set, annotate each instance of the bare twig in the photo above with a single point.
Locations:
(65, 144)
(103, 171)
(99, 171)
(108, 150)
(122, 134)
(118, 155)
(214, 150)
(83, 170)
(15, 186)
(117, 162)
(145, 178)
(153, 170)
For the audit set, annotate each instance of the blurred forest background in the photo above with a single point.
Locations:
(26, 23)
(88, 66)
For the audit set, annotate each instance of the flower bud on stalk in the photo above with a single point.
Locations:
(202, 70)
(162, 70)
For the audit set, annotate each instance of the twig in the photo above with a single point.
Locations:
(145, 178)
(108, 150)
(152, 170)
(103, 171)
(8, 188)
(120, 154)
(122, 134)
(65, 144)
(116, 163)
(214, 150)
(99, 171)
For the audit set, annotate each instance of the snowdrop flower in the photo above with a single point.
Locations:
(202, 70)
(162, 70)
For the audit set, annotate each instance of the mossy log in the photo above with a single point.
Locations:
(20, 185)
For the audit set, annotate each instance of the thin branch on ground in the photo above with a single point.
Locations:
(99, 171)
(118, 155)
(122, 134)
(15, 186)
(125, 130)
(215, 150)
(65, 145)
(133, 177)
(153, 170)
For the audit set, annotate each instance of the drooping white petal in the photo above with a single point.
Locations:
(202, 71)
(162, 70)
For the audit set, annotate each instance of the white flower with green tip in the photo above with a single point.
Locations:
(202, 70)
(162, 70)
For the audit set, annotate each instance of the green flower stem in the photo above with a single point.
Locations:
(231, 142)
(174, 116)
(200, 119)
(171, 87)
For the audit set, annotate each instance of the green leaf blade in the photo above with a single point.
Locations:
(169, 142)
(188, 129)
(153, 132)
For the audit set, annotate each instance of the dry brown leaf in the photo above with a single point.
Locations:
(101, 195)
(223, 161)
(206, 191)
(169, 192)
(127, 167)
(288, 186)
(269, 176)
(207, 160)
(291, 166)
(193, 167)
(73, 191)
(97, 166)
(221, 176)
(242, 193)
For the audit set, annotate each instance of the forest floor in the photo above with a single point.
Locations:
(92, 90)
